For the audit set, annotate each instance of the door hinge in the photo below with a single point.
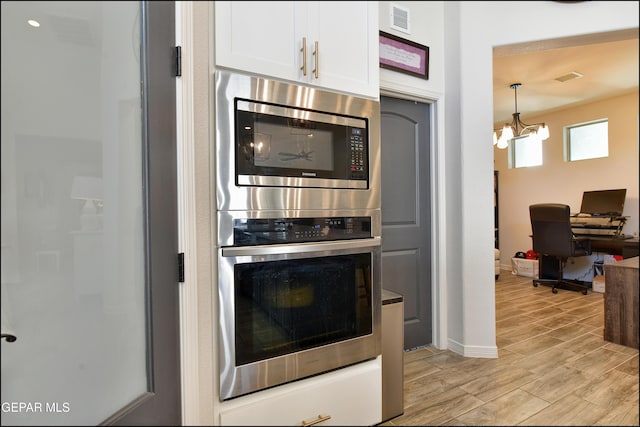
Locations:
(178, 61)
(181, 267)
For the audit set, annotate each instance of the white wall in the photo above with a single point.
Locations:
(472, 29)
(426, 28)
(557, 181)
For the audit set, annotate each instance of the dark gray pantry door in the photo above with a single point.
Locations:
(406, 212)
(89, 214)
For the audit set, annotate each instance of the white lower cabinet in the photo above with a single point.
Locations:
(346, 397)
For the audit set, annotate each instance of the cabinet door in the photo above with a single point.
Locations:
(260, 37)
(349, 396)
(347, 35)
(266, 38)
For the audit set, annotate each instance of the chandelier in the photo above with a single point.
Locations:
(536, 131)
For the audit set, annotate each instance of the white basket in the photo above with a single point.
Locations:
(524, 267)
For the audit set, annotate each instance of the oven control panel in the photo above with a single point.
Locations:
(265, 231)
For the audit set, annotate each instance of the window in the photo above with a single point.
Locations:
(586, 141)
(525, 151)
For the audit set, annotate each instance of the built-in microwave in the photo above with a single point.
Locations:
(274, 143)
(316, 149)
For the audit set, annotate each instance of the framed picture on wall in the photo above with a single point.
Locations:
(404, 56)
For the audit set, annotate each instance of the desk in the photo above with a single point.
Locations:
(628, 248)
(548, 266)
(621, 302)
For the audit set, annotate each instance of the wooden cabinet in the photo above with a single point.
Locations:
(346, 397)
(333, 45)
(621, 296)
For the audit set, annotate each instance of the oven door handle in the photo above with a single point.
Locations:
(296, 248)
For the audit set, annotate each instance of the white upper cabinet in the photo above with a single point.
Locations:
(333, 45)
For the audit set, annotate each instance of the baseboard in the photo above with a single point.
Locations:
(487, 352)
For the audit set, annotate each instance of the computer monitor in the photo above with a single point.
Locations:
(603, 202)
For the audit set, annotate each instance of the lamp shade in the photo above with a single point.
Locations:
(503, 142)
(507, 132)
(543, 132)
(86, 188)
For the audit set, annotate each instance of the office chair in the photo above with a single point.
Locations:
(552, 237)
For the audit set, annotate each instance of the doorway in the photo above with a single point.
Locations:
(406, 212)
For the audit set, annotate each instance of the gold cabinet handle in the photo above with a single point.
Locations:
(317, 420)
(316, 54)
(303, 49)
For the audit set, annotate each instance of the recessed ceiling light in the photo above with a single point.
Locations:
(33, 23)
(570, 76)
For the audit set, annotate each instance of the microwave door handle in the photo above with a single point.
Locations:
(300, 247)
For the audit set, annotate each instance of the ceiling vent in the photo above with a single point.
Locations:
(400, 19)
(570, 76)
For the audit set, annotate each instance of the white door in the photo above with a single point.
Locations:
(89, 230)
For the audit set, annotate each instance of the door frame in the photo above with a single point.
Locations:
(162, 403)
(196, 212)
(407, 238)
(438, 203)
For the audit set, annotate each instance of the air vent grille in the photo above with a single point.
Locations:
(570, 76)
(400, 19)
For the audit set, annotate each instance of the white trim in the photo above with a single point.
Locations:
(438, 204)
(389, 88)
(439, 224)
(474, 351)
(455, 346)
(187, 217)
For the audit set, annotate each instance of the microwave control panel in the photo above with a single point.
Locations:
(264, 231)
(358, 153)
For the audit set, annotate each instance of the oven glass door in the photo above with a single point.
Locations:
(275, 142)
(284, 307)
(285, 316)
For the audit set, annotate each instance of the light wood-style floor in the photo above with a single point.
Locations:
(553, 369)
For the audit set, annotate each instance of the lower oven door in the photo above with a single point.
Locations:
(290, 311)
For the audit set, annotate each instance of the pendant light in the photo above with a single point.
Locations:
(518, 128)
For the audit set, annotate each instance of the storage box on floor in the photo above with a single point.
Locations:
(599, 282)
(524, 267)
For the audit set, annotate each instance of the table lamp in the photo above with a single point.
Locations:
(89, 189)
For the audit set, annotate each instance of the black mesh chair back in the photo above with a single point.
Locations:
(551, 229)
(552, 237)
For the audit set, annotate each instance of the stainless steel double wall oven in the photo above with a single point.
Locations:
(299, 227)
